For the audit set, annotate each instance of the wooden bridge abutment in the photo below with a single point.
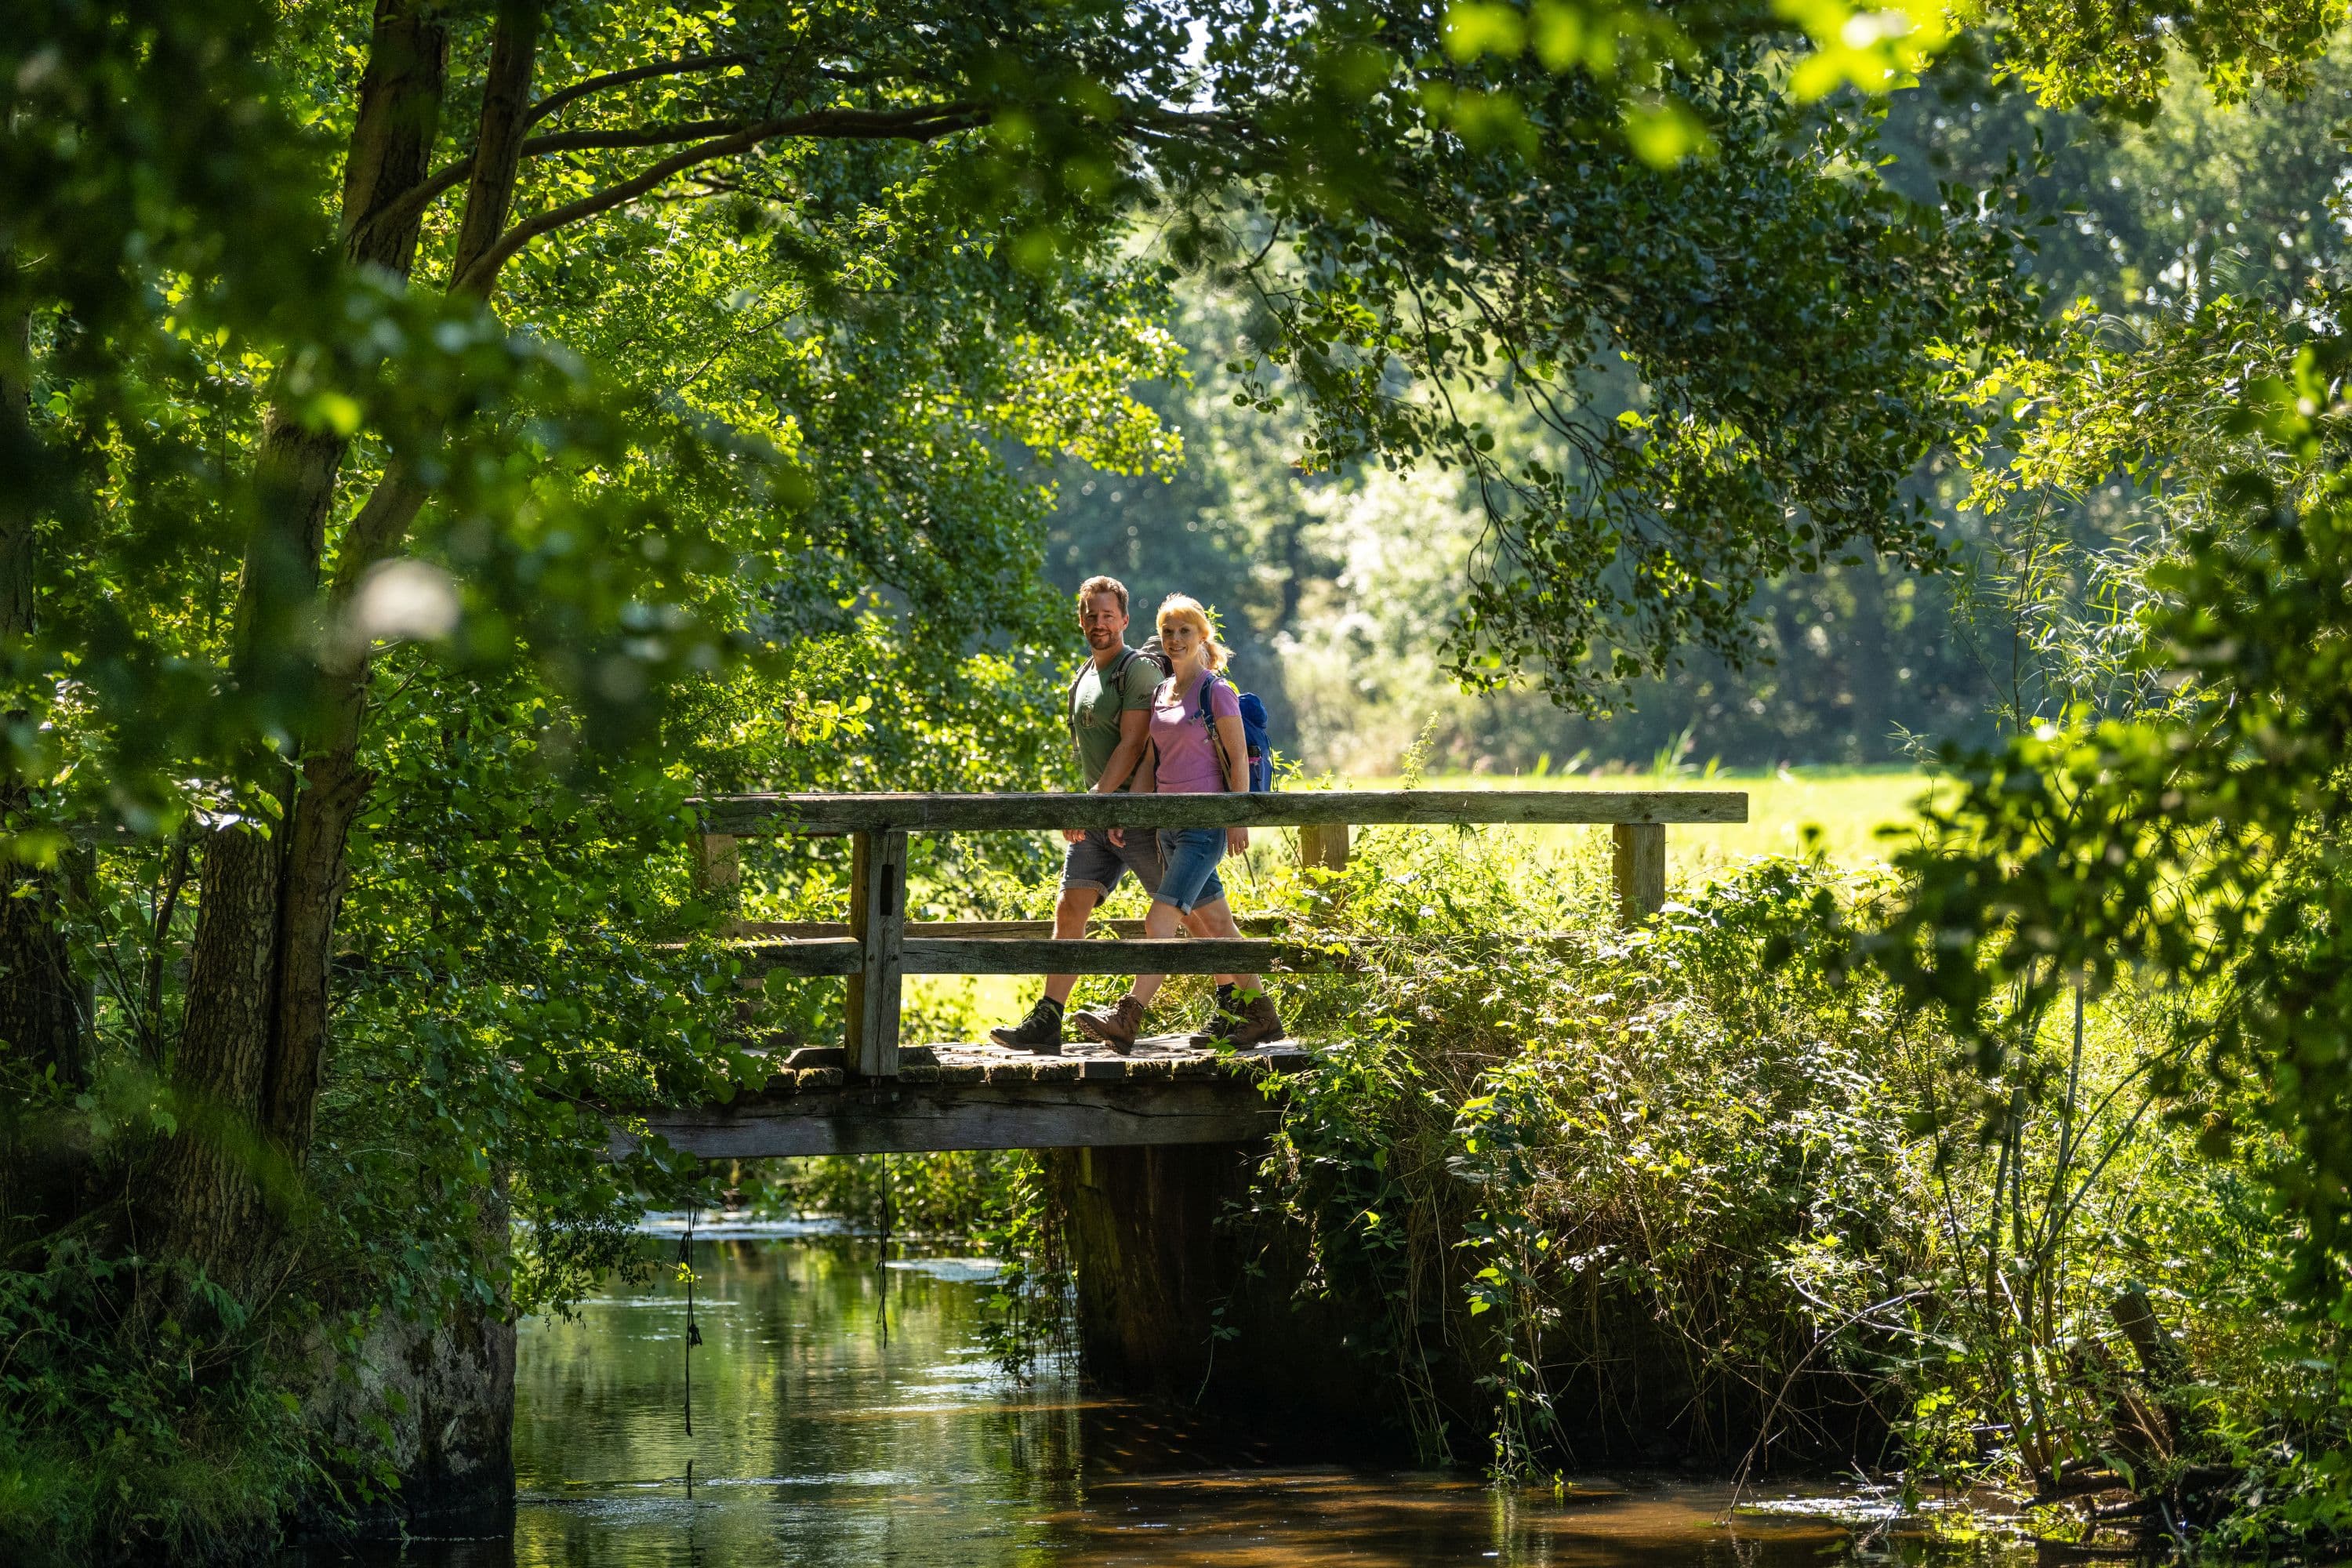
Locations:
(1180, 1302)
(1152, 1264)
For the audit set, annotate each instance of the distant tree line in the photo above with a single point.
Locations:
(1857, 662)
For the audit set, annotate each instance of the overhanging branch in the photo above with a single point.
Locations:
(442, 181)
(556, 102)
(927, 122)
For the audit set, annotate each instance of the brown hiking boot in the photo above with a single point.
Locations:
(1115, 1025)
(1260, 1023)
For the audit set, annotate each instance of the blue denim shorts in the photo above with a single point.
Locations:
(1189, 858)
(1095, 862)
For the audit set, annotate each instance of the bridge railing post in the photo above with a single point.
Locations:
(1637, 869)
(878, 921)
(718, 874)
(1326, 848)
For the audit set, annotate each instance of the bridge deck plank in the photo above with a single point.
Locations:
(983, 1097)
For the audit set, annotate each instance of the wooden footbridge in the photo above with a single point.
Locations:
(872, 1095)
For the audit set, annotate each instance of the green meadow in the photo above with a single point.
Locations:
(1851, 806)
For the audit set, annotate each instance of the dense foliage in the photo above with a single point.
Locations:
(1698, 1194)
(2174, 816)
(449, 437)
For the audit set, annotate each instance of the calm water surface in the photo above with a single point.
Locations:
(848, 1413)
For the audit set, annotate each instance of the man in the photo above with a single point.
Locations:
(1109, 707)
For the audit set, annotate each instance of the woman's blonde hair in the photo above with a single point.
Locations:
(1185, 608)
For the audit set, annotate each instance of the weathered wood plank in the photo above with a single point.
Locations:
(748, 815)
(1161, 955)
(910, 1118)
(877, 922)
(831, 956)
(1637, 870)
(821, 931)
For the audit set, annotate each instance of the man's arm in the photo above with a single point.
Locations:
(1134, 734)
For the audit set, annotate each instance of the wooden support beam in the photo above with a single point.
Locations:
(1638, 870)
(1324, 848)
(718, 876)
(829, 956)
(1156, 955)
(804, 930)
(753, 815)
(1030, 955)
(878, 923)
(876, 1119)
(1162, 955)
(721, 864)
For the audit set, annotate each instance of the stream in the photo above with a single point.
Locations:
(845, 1413)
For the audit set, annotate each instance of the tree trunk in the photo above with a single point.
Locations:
(498, 143)
(40, 1001)
(43, 1007)
(1871, 677)
(256, 1040)
(205, 1192)
(334, 786)
(246, 1071)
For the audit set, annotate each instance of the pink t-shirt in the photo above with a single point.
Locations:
(1188, 758)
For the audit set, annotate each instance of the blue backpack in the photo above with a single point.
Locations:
(1254, 735)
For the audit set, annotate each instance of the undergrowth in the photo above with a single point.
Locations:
(1703, 1192)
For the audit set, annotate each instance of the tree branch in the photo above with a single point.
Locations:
(418, 197)
(927, 122)
(556, 102)
(629, 136)
(498, 141)
(416, 200)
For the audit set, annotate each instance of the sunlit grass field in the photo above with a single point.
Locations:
(1848, 805)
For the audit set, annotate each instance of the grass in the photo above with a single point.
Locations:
(1848, 805)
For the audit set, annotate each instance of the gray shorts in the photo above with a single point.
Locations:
(1095, 862)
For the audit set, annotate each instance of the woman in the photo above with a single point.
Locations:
(1197, 748)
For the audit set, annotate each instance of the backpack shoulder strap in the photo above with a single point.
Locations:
(1126, 656)
(1209, 722)
(1115, 678)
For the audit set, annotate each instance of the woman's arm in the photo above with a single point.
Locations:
(1235, 743)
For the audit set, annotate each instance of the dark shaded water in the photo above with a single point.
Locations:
(848, 1414)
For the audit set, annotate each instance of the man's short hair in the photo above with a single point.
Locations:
(1100, 585)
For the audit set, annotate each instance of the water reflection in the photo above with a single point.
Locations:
(847, 1414)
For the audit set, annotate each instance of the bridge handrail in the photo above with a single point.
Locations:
(879, 945)
(757, 815)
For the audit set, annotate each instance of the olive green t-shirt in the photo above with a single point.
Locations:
(1094, 707)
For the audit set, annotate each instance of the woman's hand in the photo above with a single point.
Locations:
(1236, 840)
(1119, 837)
